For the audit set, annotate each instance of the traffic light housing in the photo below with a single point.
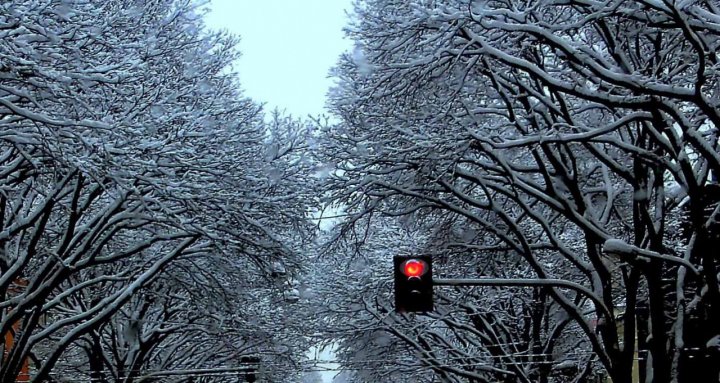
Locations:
(413, 283)
(251, 365)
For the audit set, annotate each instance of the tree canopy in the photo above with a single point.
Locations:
(568, 140)
(157, 225)
(141, 208)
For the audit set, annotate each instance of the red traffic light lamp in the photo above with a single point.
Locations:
(414, 268)
(413, 283)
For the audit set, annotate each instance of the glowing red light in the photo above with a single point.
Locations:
(414, 267)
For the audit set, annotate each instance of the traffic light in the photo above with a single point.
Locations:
(250, 364)
(413, 284)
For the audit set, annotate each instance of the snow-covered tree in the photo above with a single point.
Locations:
(566, 139)
(127, 151)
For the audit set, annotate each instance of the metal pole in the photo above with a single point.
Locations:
(527, 283)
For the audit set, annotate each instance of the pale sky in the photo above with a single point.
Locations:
(288, 47)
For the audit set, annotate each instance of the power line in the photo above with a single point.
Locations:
(311, 366)
(244, 372)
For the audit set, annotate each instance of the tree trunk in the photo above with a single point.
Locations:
(95, 360)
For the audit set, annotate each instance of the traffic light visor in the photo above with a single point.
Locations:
(414, 268)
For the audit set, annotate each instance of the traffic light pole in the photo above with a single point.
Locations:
(526, 283)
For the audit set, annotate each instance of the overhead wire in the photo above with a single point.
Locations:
(168, 373)
(368, 364)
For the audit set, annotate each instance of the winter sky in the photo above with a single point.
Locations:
(288, 47)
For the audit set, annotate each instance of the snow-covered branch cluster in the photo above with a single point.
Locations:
(137, 198)
(535, 132)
